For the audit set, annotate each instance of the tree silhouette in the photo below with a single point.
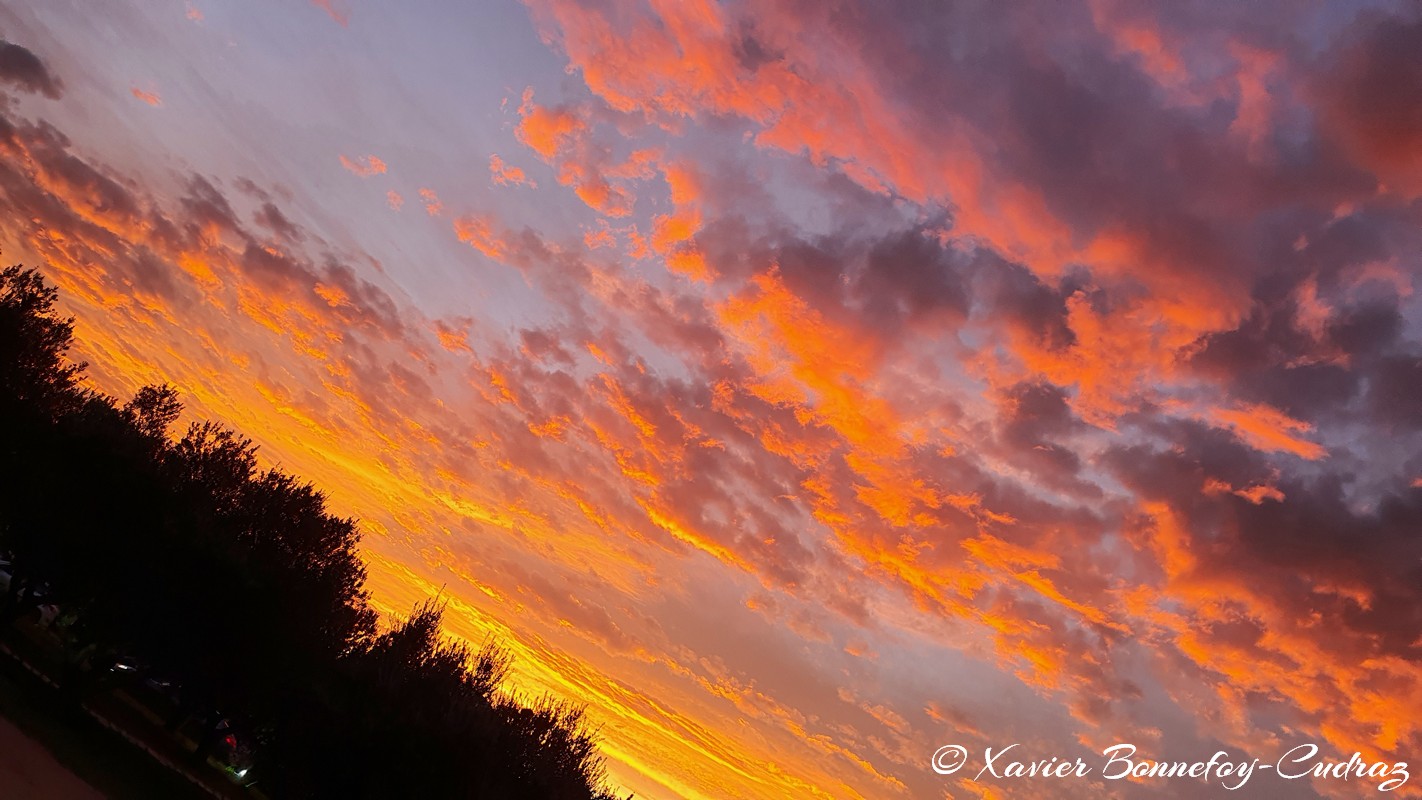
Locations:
(33, 343)
(241, 589)
(153, 410)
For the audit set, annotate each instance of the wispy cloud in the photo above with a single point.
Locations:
(364, 166)
(151, 98)
(338, 15)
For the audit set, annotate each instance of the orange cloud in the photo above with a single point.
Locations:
(563, 138)
(1270, 430)
(547, 131)
(506, 175)
(151, 98)
(478, 232)
(673, 234)
(364, 166)
(452, 339)
(433, 206)
(598, 237)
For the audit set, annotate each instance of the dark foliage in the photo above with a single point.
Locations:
(237, 586)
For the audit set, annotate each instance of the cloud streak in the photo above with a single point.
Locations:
(338, 15)
(363, 166)
(151, 98)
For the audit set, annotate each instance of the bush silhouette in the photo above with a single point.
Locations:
(239, 587)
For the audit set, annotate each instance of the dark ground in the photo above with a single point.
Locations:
(50, 750)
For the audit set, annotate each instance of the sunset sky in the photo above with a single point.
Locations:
(806, 384)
